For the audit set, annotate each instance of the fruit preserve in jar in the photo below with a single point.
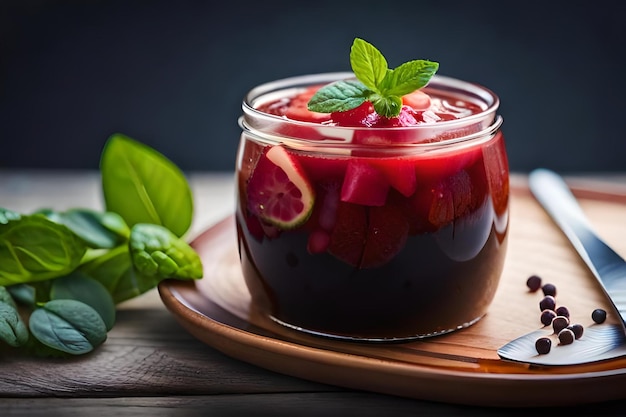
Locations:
(368, 217)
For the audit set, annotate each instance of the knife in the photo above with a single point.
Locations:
(599, 342)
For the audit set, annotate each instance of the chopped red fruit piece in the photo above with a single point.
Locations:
(399, 172)
(298, 110)
(418, 100)
(355, 117)
(318, 241)
(452, 198)
(364, 184)
(367, 237)
(417, 208)
(407, 117)
(348, 237)
(445, 164)
(327, 207)
(386, 236)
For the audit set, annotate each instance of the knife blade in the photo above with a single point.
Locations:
(609, 268)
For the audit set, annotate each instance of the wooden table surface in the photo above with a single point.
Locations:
(150, 366)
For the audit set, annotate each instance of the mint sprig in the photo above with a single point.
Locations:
(376, 83)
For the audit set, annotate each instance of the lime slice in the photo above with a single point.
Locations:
(278, 191)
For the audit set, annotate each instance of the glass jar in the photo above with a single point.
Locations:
(372, 233)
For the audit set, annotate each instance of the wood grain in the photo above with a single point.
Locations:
(217, 310)
(150, 366)
(146, 354)
(303, 404)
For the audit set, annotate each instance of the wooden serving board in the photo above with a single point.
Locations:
(462, 367)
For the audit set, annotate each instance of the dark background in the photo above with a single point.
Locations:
(172, 73)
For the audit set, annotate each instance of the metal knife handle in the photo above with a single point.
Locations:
(605, 264)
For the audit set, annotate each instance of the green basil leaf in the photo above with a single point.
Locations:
(114, 270)
(80, 287)
(5, 296)
(7, 216)
(157, 252)
(13, 331)
(143, 186)
(34, 248)
(100, 230)
(23, 293)
(69, 326)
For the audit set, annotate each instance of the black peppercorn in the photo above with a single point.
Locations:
(547, 316)
(598, 315)
(547, 303)
(566, 336)
(559, 323)
(533, 283)
(577, 329)
(562, 311)
(543, 345)
(549, 289)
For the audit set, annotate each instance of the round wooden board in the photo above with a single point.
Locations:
(462, 367)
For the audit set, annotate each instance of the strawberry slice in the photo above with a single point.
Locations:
(278, 191)
(363, 184)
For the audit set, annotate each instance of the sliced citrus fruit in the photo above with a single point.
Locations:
(278, 191)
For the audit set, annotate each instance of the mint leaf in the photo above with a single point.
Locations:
(339, 96)
(408, 77)
(368, 64)
(388, 105)
(382, 86)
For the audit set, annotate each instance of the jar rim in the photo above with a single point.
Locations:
(261, 123)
